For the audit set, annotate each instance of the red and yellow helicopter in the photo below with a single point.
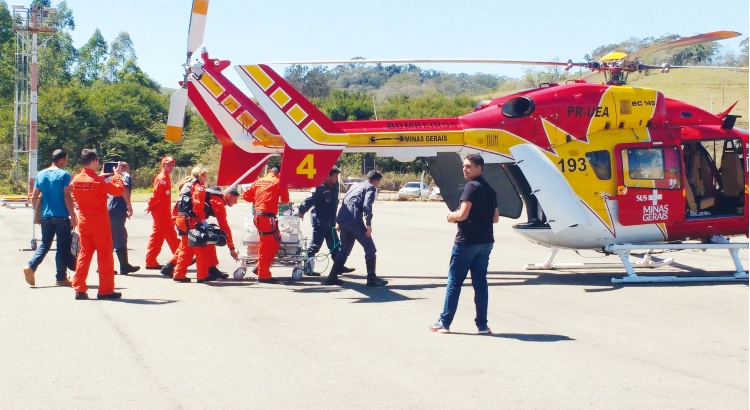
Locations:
(598, 166)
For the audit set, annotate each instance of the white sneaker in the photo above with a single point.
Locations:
(485, 331)
(439, 328)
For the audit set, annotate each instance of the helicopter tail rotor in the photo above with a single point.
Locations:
(178, 101)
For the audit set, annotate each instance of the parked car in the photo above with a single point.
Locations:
(412, 190)
(435, 194)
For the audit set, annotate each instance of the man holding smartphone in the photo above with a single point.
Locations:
(120, 209)
(90, 192)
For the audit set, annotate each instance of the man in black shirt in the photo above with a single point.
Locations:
(472, 247)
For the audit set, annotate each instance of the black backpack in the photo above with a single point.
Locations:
(185, 201)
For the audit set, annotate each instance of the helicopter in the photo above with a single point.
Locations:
(598, 166)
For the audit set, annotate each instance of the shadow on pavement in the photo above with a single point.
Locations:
(521, 336)
(142, 301)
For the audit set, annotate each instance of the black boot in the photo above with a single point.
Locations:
(167, 270)
(214, 271)
(372, 280)
(344, 269)
(125, 267)
(333, 276)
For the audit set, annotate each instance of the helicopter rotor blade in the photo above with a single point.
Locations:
(410, 61)
(705, 67)
(176, 119)
(197, 25)
(700, 38)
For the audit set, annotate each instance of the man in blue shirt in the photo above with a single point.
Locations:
(472, 247)
(120, 209)
(58, 218)
(322, 204)
(357, 204)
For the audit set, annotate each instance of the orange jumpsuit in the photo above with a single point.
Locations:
(90, 195)
(218, 208)
(163, 226)
(266, 193)
(184, 223)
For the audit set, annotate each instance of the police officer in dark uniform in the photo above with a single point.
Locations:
(357, 204)
(120, 209)
(324, 200)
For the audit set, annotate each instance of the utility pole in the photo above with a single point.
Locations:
(28, 22)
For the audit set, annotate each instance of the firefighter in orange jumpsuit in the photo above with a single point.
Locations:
(266, 193)
(159, 205)
(193, 197)
(217, 205)
(90, 195)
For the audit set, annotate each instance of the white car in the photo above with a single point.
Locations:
(412, 190)
(435, 194)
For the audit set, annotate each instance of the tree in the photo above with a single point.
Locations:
(345, 105)
(91, 59)
(131, 73)
(121, 51)
(742, 60)
(56, 59)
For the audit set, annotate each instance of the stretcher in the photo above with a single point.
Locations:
(292, 251)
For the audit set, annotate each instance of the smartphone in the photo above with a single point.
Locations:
(109, 167)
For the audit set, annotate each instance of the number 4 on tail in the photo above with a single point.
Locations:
(307, 167)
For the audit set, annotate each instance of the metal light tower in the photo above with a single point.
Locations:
(28, 22)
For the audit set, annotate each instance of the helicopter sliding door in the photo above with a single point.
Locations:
(650, 184)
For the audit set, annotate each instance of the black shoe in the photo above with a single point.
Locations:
(168, 269)
(311, 273)
(268, 280)
(82, 296)
(207, 279)
(332, 281)
(214, 272)
(183, 280)
(344, 269)
(155, 267)
(111, 296)
(129, 269)
(375, 282)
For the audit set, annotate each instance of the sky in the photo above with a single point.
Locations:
(252, 31)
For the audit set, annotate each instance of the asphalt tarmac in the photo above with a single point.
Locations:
(561, 339)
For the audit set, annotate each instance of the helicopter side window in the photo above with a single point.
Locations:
(601, 164)
(652, 167)
(518, 107)
(714, 177)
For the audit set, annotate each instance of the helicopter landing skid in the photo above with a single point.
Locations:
(646, 262)
(623, 251)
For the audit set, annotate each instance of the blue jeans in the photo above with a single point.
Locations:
(465, 258)
(61, 228)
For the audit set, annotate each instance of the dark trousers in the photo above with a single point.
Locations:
(119, 233)
(355, 232)
(61, 228)
(327, 233)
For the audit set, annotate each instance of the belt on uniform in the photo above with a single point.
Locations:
(274, 224)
